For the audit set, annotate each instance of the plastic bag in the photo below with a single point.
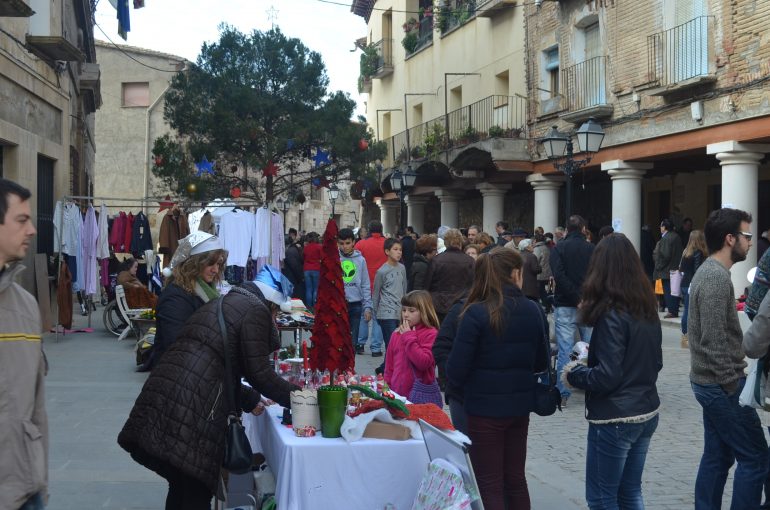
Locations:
(751, 396)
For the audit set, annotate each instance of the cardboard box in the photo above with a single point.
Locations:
(379, 430)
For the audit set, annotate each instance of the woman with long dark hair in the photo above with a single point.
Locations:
(499, 346)
(693, 256)
(620, 377)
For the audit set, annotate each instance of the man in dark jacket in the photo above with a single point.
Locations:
(667, 255)
(407, 249)
(292, 266)
(569, 262)
(450, 274)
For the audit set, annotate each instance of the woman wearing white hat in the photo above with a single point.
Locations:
(196, 268)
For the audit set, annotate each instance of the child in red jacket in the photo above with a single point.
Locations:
(410, 369)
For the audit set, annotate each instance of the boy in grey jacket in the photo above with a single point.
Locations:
(355, 276)
(389, 287)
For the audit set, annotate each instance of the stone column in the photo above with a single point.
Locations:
(389, 216)
(493, 196)
(546, 199)
(415, 215)
(740, 183)
(450, 211)
(627, 197)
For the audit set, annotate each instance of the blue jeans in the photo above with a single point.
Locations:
(363, 334)
(614, 463)
(354, 315)
(672, 302)
(686, 307)
(730, 432)
(565, 327)
(311, 288)
(388, 326)
(34, 503)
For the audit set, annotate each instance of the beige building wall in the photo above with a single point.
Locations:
(492, 47)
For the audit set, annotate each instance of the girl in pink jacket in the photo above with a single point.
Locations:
(410, 369)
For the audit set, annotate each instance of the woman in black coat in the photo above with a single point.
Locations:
(196, 268)
(177, 426)
(499, 346)
(425, 250)
(620, 379)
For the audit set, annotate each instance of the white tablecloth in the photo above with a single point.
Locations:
(316, 473)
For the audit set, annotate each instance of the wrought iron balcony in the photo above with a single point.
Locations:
(491, 117)
(585, 84)
(421, 36)
(384, 49)
(681, 53)
(489, 8)
(454, 13)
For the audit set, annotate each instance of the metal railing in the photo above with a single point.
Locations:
(384, 48)
(454, 13)
(680, 53)
(585, 84)
(491, 117)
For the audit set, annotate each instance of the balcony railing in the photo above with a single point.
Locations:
(491, 117)
(585, 84)
(454, 13)
(422, 35)
(680, 53)
(384, 48)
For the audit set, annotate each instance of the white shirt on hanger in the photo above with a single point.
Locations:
(235, 231)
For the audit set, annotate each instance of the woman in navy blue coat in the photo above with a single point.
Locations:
(498, 348)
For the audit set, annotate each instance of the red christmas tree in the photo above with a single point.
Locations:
(332, 347)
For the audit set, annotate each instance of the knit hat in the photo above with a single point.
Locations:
(275, 287)
(524, 244)
(194, 244)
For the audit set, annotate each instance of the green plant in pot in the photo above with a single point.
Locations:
(418, 152)
(435, 141)
(496, 132)
(410, 41)
(469, 135)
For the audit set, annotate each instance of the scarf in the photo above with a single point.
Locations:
(205, 291)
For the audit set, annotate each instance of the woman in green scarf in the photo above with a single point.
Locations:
(191, 281)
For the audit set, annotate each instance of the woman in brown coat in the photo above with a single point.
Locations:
(177, 426)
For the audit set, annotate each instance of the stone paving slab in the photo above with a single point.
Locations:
(91, 388)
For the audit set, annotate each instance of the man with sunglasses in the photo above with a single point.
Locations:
(731, 432)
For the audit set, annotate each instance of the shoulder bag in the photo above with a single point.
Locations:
(238, 454)
(547, 397)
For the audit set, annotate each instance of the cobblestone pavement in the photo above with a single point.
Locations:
(91, 387)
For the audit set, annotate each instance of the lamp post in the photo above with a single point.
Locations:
(283, 205)
(334, 194)
(559, 145)
(402, 183)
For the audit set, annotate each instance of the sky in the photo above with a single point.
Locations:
(180, 27)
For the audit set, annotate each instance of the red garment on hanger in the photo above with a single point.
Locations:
(118, 232)
(128, 232)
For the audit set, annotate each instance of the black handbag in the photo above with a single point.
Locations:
(547, 397)
(238, 456)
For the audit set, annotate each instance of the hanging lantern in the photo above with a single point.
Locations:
(363, 144)
(233, 169)
(300, 198)
(235, 192)
(192, 188)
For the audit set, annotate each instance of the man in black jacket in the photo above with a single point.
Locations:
(442, 346)
(569, 262)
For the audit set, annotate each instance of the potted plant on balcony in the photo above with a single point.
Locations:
(496, 132)
(435, 141)
(418, 152)
(468, 135)
(410, 41)
(401, 157)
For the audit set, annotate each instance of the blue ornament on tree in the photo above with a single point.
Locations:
(321, 158)
(204, 166)
(289, 144)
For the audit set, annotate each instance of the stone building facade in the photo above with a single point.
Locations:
(49, 92)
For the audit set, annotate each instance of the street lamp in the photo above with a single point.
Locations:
(334, 194)
(402, 183)
(559, 145)
(283, 205)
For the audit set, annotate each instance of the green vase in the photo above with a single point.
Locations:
(332, 404)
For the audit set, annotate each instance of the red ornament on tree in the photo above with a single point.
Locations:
(166, 203)
(158, 160)
(235, 192)
(270, 169)
(363, 144)
(332, 348)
